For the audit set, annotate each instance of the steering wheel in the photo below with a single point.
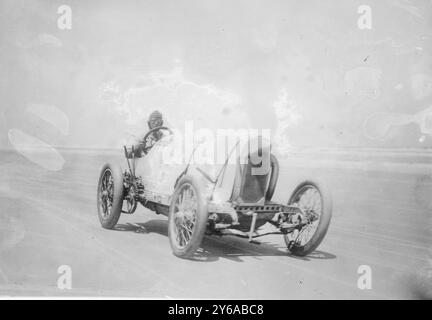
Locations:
(146, 147)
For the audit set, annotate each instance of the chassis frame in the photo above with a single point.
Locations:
(236, 218)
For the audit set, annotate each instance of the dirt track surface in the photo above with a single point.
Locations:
(380, 219)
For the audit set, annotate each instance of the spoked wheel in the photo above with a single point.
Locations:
(110, 196)
(316, 204)
(187, 219)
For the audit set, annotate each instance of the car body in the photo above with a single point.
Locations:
(230, 198)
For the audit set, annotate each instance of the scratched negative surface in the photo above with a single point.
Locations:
(341, 89)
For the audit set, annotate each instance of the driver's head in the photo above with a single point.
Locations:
(155, 120)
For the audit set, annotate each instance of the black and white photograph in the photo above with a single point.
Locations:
(216, 150)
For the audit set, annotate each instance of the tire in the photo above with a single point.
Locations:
(323, 223)
(273, 177)
(113, 195)
(196, 211)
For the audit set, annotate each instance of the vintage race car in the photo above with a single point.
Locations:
(208, 199)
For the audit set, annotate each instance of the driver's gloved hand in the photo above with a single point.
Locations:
(157, 136)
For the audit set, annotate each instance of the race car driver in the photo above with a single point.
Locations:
(142, 147)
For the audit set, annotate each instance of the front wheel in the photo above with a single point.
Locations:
(187, 220)
(316, 202)
(110, 195)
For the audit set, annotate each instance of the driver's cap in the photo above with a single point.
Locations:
(155, 115)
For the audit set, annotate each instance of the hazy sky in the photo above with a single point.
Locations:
(304, 69)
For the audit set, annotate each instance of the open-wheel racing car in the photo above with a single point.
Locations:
(199, 200)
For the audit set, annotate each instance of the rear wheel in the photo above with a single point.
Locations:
(187, 220)
(316, 204)
(110, 195)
